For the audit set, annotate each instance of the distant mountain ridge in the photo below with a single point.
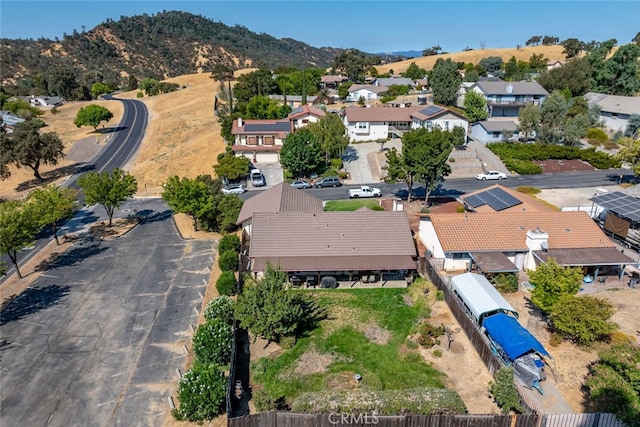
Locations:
(158, 46)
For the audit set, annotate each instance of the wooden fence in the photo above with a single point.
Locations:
(291, 419)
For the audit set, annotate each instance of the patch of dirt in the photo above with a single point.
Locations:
(466, 373)
(341, 381)
(313, 362)
(560, 166)
(119, 227)
(377, 335)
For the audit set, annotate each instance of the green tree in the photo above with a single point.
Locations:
(224, 73)
(284, 85)
(301, 154)
(633, 125)
(575, 75)
(575, 128)
(572, 47)
(538, 62)
(98, 89)
(552, 281)
(262, 107)
(504, 391)
(583, 319)
(491, 64)
(512, 71)
(534, 41)
(108, 189)
(329, 132)
(28, 147)
(414, 72)
(212, 342)
(552, 117)
(398, 170)
(63, 82)
(445, 82)
(613, 383)
(53, 204)
(228, 209)
(426, 153)
(19, 227)
(229, 242)
(188, 196)
(259, 82)
(630, 152)
(92, 115)
(353, 64)
(201, 393)
(343, 89)
(268, 309)
(475, 106)
(132, 82)
(529, 119)
(622, 71)
(231, 167)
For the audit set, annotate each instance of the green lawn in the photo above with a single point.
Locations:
(352, 205)
(341, 338)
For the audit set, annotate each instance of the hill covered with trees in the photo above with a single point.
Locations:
(157, 46)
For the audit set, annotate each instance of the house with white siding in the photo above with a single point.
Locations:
(434, 116)
(615, 110)
(506, 99)
(495, 131)
(366, 92)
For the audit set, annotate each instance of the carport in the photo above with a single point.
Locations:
(596, 258)
(492, 263)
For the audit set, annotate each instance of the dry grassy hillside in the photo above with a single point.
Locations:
(553, 53)
(22, 179)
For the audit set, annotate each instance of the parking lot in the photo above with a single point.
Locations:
(99, 337)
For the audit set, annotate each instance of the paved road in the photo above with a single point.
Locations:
(97, 339)
(128, 135)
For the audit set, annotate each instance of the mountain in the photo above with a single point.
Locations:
(405, 53)
(157, 46)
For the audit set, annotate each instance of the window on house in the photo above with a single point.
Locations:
(446, 125)
(362, 125)
(496, 134)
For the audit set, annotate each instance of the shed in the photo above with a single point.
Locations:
(479, 296)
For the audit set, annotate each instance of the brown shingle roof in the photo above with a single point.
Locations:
(279, 198)
(335, 240)
(370, 88)
(529, 204)
(507, 231)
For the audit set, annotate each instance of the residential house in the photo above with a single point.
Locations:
(9, 120)
(261, 140)
(366, 92)
(615, 110)
(331, 81)
(515, 241)
(397, 81)
(345, 247)
(46, 101)
(495, 131)
(497, 198)
(434, 116)
(279, 198)
(506, 99)
(554, 64)
(294, 101)
(305, 115)
(371, 124)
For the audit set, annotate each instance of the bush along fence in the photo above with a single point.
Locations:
(203, 391)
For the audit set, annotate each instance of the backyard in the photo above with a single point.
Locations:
(362, 331)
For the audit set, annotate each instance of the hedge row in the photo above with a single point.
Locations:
(520, 157)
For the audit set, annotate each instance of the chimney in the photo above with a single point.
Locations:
(239, 122)
(509, 88)
(537, 239)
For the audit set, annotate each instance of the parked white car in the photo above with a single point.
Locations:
(491, 175)
(234, 189)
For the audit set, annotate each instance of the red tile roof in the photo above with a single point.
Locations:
(507, 231)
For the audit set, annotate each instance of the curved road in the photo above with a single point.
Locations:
(128, 135)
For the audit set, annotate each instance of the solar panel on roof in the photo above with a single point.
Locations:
(431, 110)
(620, 204)
(496, 198)
(267, 127)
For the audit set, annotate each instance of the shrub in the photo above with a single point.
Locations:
(522, 167)
(139, 94)
(597, 134)
(265, 401)
(287, 341)
(528, 190)
(201, 393)
(229, 242)
(212, 342)
(437, 352)
(228, 261)
(556, 339)
(220, 308)
(226, 283)
(342, 174)
(439, 295)
(460, 209)
(505, 282)
(583, 319)
(336, 163)
(452, 160)
(429, 334)
(504, 391)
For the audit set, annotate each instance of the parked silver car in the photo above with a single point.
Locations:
(300, 183)
(234, 189)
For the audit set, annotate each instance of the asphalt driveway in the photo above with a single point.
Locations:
(98, 338)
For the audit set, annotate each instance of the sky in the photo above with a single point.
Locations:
(372, 26)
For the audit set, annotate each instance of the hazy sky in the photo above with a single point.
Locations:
(371, 25)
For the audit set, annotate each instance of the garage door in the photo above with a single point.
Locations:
(267, 157)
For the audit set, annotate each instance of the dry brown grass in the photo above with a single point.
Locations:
(553, 53)
(62, 124)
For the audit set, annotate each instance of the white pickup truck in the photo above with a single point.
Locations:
(364, 191)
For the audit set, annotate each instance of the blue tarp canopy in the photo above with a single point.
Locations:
(511, 336)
